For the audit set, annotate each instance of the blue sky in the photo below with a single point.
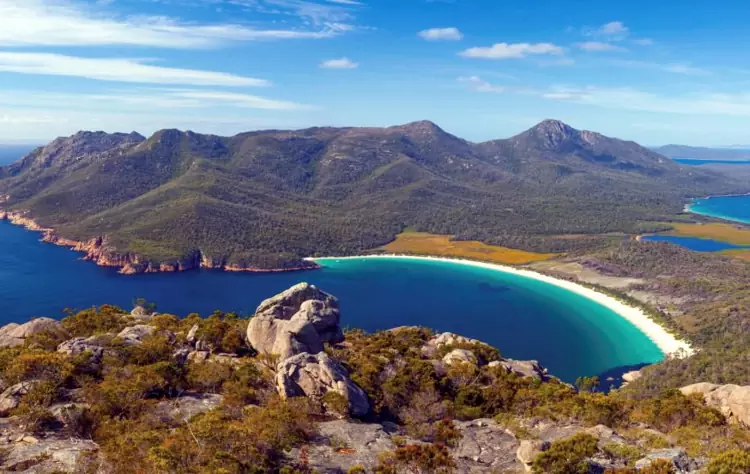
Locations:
(654, 72)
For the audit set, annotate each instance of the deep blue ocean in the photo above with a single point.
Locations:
(524, 318)
(694, 243)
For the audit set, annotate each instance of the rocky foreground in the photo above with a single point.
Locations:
(287, 391)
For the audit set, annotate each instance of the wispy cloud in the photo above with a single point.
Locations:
(141, 99)
(441, 34)
(672, 67)
(122, 70)
(340, 63)
(737, 104)
(643, 41)
(317, 12)
(61, 23)
(480, 85)
(598, 46)
(613, 31)
(512, 51)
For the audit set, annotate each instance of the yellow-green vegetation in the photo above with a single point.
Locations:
(121, 399)
(732, 233)
(423, 243)
(737, 253)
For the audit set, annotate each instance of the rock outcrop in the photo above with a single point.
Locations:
(13, 334)
(528, 450)
(460, 356)
(47, 456)
(79, 345)
(299, 320)
(134, 335)
(732, 400)
(315, 375)
(11, 397)
(677, 456)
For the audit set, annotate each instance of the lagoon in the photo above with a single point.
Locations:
(694, 243)
(525, 318)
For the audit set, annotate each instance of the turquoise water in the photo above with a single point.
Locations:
(694, 243)
(524, 318)
(733, 208)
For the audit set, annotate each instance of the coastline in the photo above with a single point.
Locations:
(97, 251)
(690, 209)
(667, 343)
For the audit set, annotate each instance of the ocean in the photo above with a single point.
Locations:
(734, 208)
(524, 318)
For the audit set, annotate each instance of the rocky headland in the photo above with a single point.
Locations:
(101, 252)
(289, 391)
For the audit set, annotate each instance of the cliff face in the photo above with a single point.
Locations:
(100, 251)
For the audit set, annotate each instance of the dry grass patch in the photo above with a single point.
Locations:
(422, 243)
(732, 233)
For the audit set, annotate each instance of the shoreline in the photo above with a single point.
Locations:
(96, 251)
(668, 344)
(689, 209)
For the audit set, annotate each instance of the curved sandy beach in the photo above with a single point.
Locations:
(666, 342)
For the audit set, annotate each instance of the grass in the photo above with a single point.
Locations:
(422, 243)
(732, 233)
(738, 253)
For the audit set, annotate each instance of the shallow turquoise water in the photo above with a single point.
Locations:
(734, 208)
(524, 318)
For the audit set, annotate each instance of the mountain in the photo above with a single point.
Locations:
(267, 199)
(701, 153)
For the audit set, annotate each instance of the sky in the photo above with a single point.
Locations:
(653, 72)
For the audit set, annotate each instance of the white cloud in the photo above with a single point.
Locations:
(480, 85)
(341, 63)
(643, 41)
(512, 51)
(598, 46)
(613, 28)
(677, 68)
(737, 105)
(238, 100)
(61, 23)
(123, 70)
(441, 34)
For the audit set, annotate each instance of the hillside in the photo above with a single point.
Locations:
(287, 391)
(262, 200)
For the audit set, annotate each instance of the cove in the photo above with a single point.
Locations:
(733, 208)
(694, 243)
(526, 319)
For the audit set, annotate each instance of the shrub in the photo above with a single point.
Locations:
(731, 462)
(93, 321)
(567, 456)
(418, 458)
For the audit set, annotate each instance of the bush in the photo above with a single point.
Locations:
(567, 456)
(731, 462)
(95, 321)
(420, 458)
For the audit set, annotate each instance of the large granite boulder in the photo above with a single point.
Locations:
(11, 397)
(301, 319)
(524, 368)
(528, 450)
(134, 335)
(314, 375)
(460, 356)
(732, 400)
(15, 334)
(187, 405)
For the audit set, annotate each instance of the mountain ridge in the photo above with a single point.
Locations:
(268, 199)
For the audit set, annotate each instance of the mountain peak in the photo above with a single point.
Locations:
(421, 126)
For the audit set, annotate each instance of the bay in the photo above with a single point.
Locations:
(733, 208)
(524, 318)
(694, 243)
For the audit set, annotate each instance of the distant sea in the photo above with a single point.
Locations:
(695, 162)
(733, 208)
(524, 318)
(12, 153)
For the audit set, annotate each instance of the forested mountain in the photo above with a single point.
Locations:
(267, 199)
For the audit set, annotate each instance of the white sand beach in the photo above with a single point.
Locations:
(667, 343)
